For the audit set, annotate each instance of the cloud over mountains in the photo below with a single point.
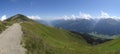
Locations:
(36, 17)
(103, 15)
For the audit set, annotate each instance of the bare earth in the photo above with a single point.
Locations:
(10, 40)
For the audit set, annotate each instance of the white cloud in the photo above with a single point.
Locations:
(88, 16)
(66, 17)
(74, 17)
(105, 15)
(34, 17)
(4, 17)
(85, 16)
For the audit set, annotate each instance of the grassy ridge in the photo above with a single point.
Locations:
(40, 39)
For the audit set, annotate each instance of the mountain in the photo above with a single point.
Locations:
(78, 25)
(41, 39)
(103, 26)
(18, 18)
(107, 26)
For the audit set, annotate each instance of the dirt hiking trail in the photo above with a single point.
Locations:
(10, 40)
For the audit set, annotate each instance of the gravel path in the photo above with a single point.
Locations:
(10, 40)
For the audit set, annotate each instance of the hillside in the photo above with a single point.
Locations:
(111, 47)
(3, 25)
(47, 40)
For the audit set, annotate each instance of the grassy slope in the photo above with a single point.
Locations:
(3, 26)
(40, 39)
(111, 47)
(47, 40)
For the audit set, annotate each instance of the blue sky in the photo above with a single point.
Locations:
(55, 8)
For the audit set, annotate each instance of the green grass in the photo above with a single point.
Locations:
(39, 39)
(111, 47)
(3, 26)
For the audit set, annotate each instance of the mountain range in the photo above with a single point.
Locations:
(105, 26)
